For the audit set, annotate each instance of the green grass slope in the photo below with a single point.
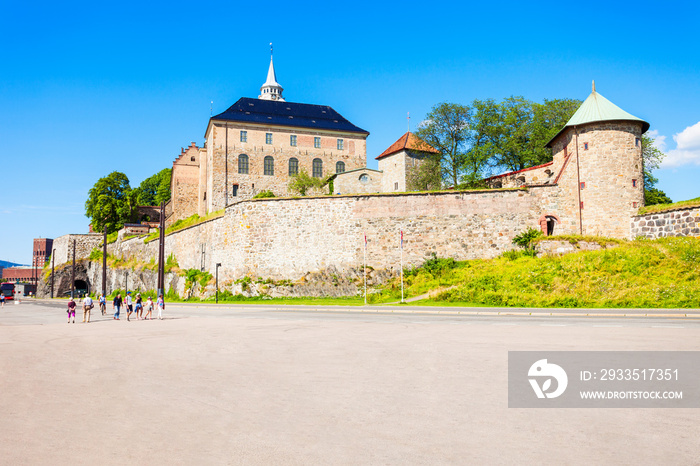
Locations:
(662, 273)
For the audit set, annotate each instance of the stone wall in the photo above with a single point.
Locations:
(363, 180)
(541, 174)
(84, 246)
(184, 184)
(680, 222)
(289, 238)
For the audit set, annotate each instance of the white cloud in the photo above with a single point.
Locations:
(687, 151)
(659, 140)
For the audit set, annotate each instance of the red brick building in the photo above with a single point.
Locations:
(42, 251)
(21, 274)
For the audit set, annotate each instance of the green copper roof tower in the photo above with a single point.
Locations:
(597, 108)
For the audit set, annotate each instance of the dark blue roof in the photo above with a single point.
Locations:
(275, 112)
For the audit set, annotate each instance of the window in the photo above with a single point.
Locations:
(234, 192)
(583, 185)
(192, 159)
(585, 146)
(340, 167)
(244, 136)
(317, 167)
(364, 179)
(340, 144)
(243, 164)
(396, 186)
(268, 138)
(269, 165)
(293, 167)
(293, 140)
(634, 183)
(317, 143)
(636, 142)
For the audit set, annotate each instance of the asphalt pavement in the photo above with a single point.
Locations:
(316, 385)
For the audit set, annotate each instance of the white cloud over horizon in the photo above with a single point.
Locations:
(687, 151)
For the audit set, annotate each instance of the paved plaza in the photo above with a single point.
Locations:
(243, 385)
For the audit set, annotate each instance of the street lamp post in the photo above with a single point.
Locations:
(53, 262)
(217, 282)
(126, 287)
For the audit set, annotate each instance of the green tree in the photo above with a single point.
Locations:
(447, 129)
(652, 157)
(426, 176)
(110, 202)
(513, 133)
(302, 182)
(154, 189)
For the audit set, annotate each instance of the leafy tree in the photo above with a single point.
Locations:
(426, 176)
(110, 202)
(302, 182)
(447, 129)
(513, 133)
(652, 157)
(154, 189)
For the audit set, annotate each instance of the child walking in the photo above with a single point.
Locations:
(149, 308)
(160, 305)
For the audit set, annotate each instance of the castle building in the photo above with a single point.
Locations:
(597, 167)
(406, 153)
(257, 145)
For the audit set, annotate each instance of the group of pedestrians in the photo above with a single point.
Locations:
(132, 306)
(137, 306)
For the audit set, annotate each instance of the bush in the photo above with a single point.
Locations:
(264, 194)
(525, 239)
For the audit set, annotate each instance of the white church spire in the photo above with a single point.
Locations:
(271, 90)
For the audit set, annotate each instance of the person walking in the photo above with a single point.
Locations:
(103, 304)
(71, 310)
(2, 299)
(87, 307)
(117, 304)
(149, 308)
(129, 305)
(160, 305)
(139, 307)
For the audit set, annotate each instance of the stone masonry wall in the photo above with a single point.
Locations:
(184, 184)
(353, 182)
(84, 244)
(680, 222)
(288, 238)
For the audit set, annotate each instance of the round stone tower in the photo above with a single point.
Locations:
(598, 156)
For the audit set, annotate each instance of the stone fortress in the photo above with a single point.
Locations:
(593, 186)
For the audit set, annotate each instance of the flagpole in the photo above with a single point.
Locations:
(364, 269)
(401, 234)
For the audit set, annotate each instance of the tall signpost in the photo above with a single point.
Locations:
(364, 269)
(161, 251)
(104, 263)
(72, 280)
(53, 262)
(401, 247)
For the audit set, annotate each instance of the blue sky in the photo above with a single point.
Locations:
(87, 88)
